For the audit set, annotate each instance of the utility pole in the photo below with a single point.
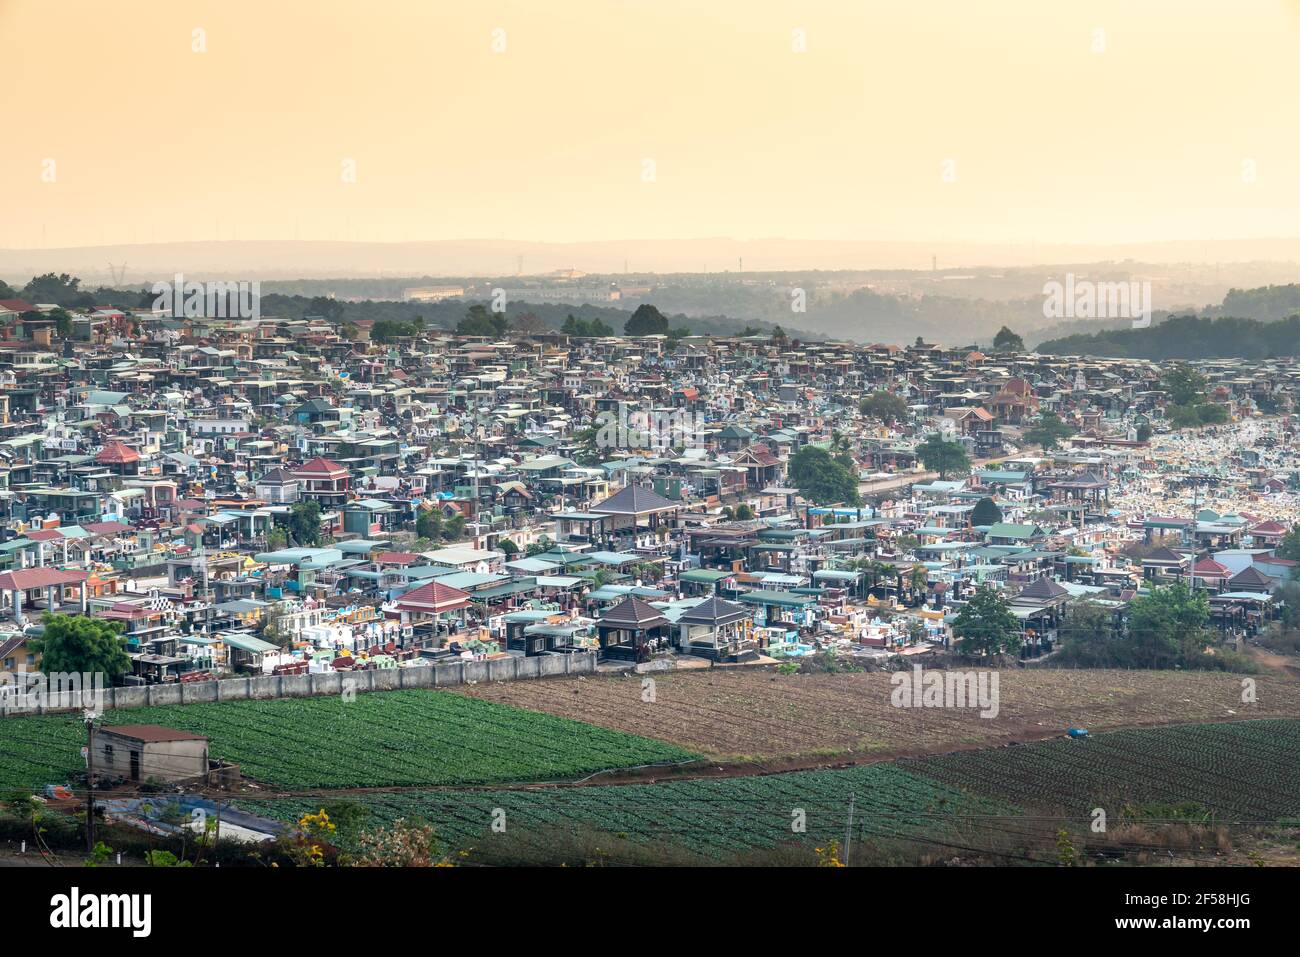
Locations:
(848, 831)
(90, 781)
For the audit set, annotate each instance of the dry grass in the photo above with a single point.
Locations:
(754, 714)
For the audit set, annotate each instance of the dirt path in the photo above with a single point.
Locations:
(1282, 664)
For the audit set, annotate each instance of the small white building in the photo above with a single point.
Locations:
(138, 752)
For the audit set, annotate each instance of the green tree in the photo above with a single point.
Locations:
(1184, 384)
(327, 307)
(528, 323)
(986, 512)
(428, 523)
(479, 322)
(985, 625)
(1048, 431)
(454, 530)
(273, 629)
(594, 328)
(386, 330)
(646, 321)
(744, 512)
(918, 580)
(61, 289)
(62, 322)
(587, 450)
(942, 456)
(823, 479)
(885, 406)
(79, 644)
(1087, 636)
(1144, 432)
(1192, 416)
(304, 523)
(1289, 547)
(508, 547)
(1168, 624)
(1008, 341)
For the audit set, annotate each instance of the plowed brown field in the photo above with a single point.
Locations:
(754, 714)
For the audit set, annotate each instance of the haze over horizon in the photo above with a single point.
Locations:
(305, 259)
(924, 127)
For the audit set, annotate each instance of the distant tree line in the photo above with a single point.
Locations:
(1187, 337)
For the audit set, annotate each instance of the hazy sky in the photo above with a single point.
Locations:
(1184, 126)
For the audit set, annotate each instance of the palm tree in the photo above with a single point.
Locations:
(919, 580)
(874, 571)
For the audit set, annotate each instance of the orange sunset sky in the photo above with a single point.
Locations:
(1182, 126)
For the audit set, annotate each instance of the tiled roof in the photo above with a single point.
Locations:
(117, 453)
(633, 613)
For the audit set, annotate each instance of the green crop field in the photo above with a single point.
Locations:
(1247, 771)
(710, 817)
(1239, 772)
(383, 739)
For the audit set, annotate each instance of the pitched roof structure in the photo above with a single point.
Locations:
(276, 476)
(714, 611)
(117, 453)
(320, 466)
(433, 598)
(1044, 589)
(635, 500)
(1164, 556)
(633, 613)
(25, 578)
(1250, 578)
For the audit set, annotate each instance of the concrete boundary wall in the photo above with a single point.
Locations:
(268, 687)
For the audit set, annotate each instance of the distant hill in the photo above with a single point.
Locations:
(1268, 303)
(1188, 337)
(448, 312)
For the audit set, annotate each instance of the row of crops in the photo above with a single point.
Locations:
(714, 817)
(1241, 772)
(1246, 771)
(394, 738)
